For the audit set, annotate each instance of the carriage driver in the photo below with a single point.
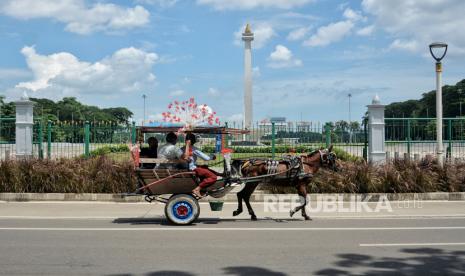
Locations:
(206, 176)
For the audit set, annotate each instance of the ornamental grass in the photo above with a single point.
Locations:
(399, 176)
(102, 174)
(79, 175)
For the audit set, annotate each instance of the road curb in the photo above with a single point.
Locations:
(256, 197)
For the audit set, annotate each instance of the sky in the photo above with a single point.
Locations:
(308, 55)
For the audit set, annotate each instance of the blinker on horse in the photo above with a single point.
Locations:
(285, 172)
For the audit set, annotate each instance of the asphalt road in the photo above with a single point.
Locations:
(48, 238)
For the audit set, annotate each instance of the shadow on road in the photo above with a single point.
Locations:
(419, 261)
(232, 270)
(214, 221)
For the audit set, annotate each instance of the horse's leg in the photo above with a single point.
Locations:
(302, 192)
(247, 195)
(296, 209)
(240, 196)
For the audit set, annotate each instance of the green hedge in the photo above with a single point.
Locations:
(341, 154)
(109, 149)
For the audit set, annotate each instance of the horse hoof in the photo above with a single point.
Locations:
(253, 217)
(291, 213)
(307, 218)
(236, 213)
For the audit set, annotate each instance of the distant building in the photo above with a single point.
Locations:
(278, 120)
(280, 124)
(303, 126)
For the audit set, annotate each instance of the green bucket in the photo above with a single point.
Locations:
(216, 205)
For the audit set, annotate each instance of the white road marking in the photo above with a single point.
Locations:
(411, 244)
(393, 216)
(349, 217)
(201, 202)
(65, 217)
(180, 228)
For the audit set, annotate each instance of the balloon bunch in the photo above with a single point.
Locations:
(190, 114)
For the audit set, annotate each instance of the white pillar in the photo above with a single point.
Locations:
(376, 149)
(247, 37)
(24, 127)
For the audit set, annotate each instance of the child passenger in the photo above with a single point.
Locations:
(206, 176)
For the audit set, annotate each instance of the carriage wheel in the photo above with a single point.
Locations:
(182, 209)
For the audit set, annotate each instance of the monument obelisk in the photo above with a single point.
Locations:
(247, 37)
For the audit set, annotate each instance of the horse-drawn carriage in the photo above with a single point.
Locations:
(173, 185)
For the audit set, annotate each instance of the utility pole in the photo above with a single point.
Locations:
(460, 101)
(144, 97)
(350, 120)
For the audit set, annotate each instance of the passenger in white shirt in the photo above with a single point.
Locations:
(170, 151)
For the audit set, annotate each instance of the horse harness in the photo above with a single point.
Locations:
(294, 172)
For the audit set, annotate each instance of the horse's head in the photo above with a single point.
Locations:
(326, 158)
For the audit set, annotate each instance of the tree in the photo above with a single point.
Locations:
(354, 126)
(426, 106)
(6, 109)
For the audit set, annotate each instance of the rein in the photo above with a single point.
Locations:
(271, 174)
(265, 175)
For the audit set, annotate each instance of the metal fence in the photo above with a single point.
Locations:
(416, 137)
(82, 139)
(275, 139)
(7, 137)
(56, 140)
(404, 138)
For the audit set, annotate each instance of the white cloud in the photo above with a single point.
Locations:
(128, 70)
(160, 3)
(213, 92)
(263, 33)
(298, 33)
(330, 33)
(252, 4)
(282, 57)
(78, 17)
(366, 31)
(157, 117)
(238, 117)
(177, 93)
(420, 21)
(352, 15)
(281, 53)
(408, 45)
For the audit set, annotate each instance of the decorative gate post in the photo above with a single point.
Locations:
(24, 127)
(376, 150)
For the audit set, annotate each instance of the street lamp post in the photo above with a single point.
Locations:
(144, 96)
(438, 50)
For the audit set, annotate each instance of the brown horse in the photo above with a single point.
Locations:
(285, 172)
